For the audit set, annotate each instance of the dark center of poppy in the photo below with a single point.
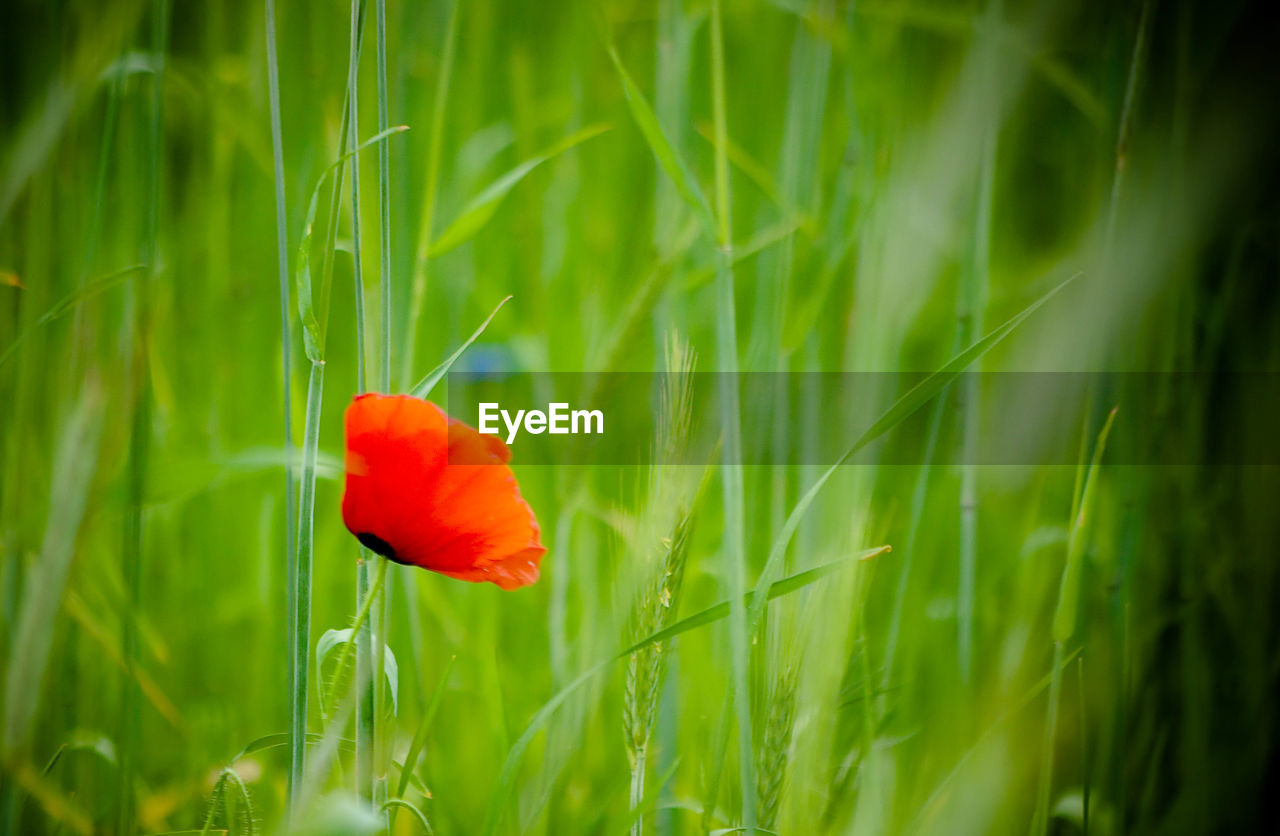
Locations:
(377, 545)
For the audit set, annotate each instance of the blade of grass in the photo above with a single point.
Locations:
(366, 698)
(314, 328)
(335, 200)
(756, 172)
(670, 162)
(353, 101)
(1084, 748)
(391, 805)
(972, 305)
(1064, 620)
(784, 586)
(297, 747)
(1124, 128)
(334, 639)
(672, 67)
(358, 626)
(420, 737)
(639, 810)
(919, 493)
(424, 728)
(315, 317)
(300, 616)
(72, 300)
(57, 805)
(384, 366)
(267, 742)
(424, 386)
(481, 208)
(140, 431)
(506, 778)
(227, 777)
(731, 473)
(916, 397)
(719, 750)
(781, 232)
(105, 155)
(74, 464)
(940, 792)
(418, 293)
(1121, 742)
(384, 201)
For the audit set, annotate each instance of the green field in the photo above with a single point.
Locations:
(206, 251)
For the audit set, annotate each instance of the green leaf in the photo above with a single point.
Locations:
(83, 740)
(1064, 618)
(414, 781)
(482, 207)
(74, 466)
(916, 397)
(230, 777)
(662, 149)
(418, 814)
(335, 639)
(312, 333)
(83, 293)
(274, 741)
(424, 386)
(424, 728)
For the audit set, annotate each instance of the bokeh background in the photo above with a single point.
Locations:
(764, 185)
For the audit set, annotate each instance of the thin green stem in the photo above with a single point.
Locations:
(297, 745)
(353, 140)
(424, 729)
(435, 141)
(723, 214)
(100, 178)
(384, 362)
(1084, 748)
(300, 582)
(335, 204)
(300, 633)
(919, 493)
(139, 376)
(731, 472)
(1120, 741)
(390, 806)
(360, 623)
(94, 233)
(384, 203)
(366, 690)
(366, 715)
(969, 324)
(219, 789)
(1040, 823)
(1124, 127)
(636, 793)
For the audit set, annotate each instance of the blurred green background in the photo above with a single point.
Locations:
(775, 185)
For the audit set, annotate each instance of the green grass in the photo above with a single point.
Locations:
(192, 642)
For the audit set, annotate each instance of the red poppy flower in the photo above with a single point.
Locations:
(427, 490)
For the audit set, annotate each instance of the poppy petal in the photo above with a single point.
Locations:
(427, 490)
